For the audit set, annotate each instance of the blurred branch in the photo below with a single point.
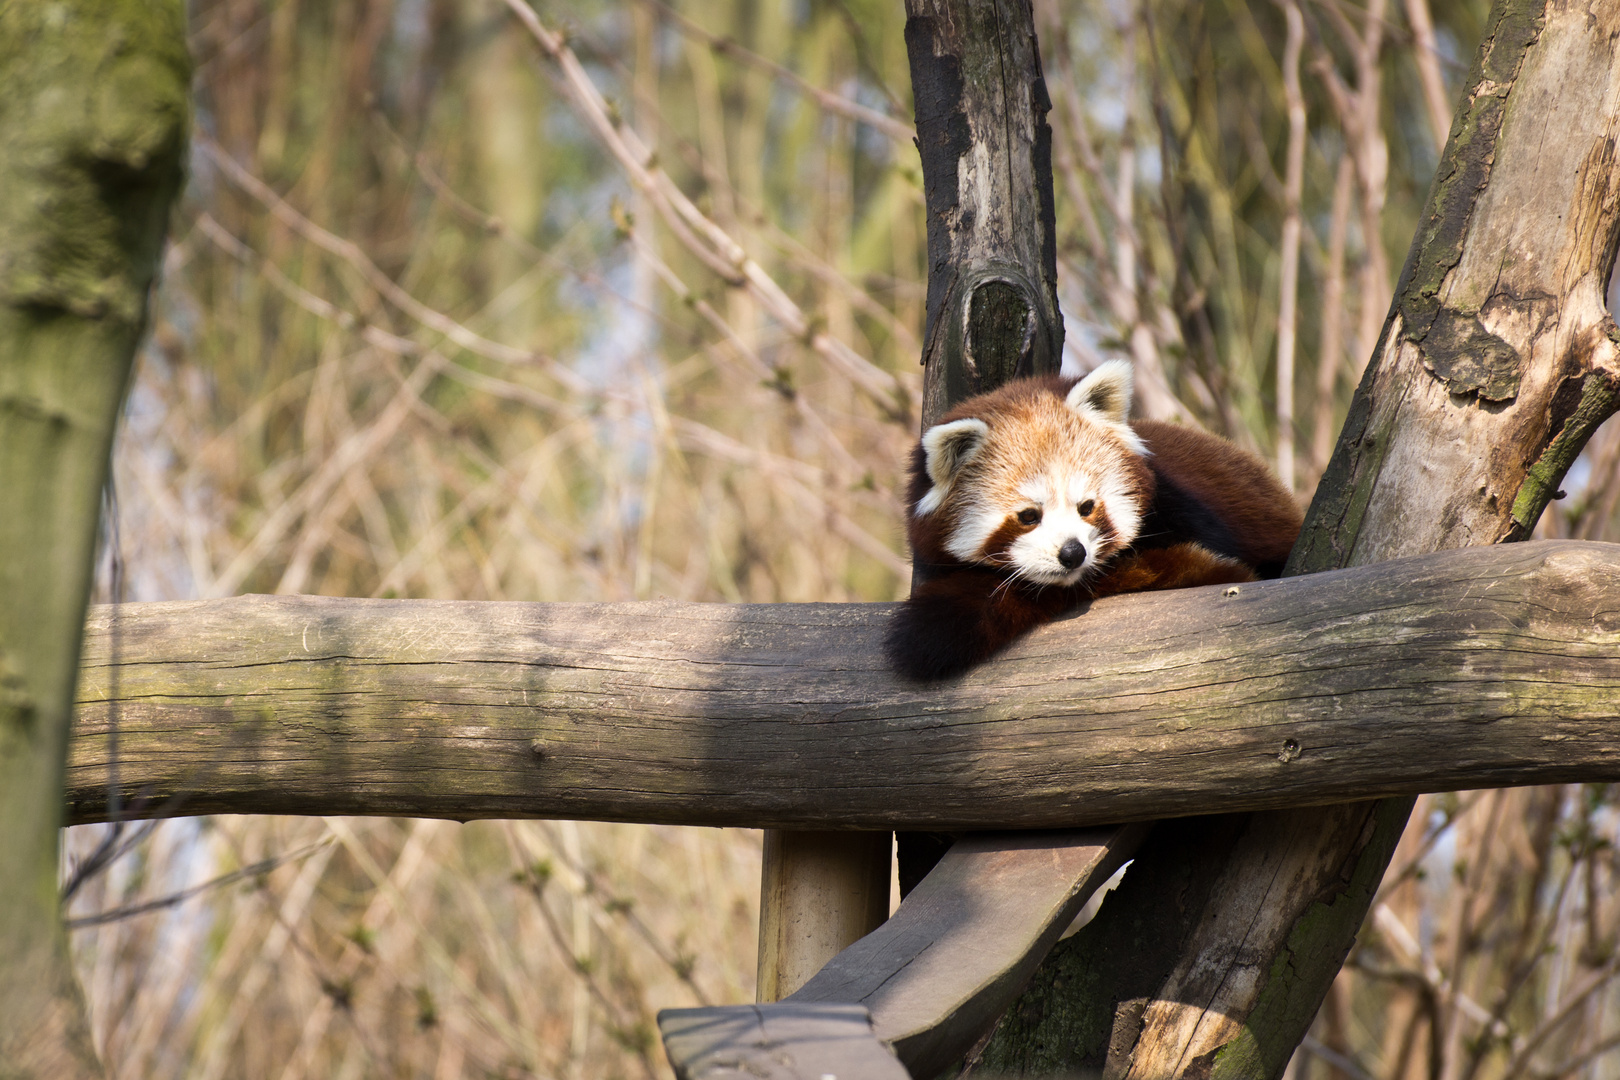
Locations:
(534, 880)
(715, 443)
(607, 906)
(1343, 1063)
(900, 132)
(763, 372)
(351, 453)
(512, 1034)
(263, 866)
(318, 306)
(701, 235)
(1330, 353)
(1443, 988)
(1288, 285)
(1427, 58)
(351, 253)
(1582, 1060)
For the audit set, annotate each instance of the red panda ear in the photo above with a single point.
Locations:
(948, 447)
(1105, 393)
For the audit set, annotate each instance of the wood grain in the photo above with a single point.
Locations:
(964, 942)
(1460, 669)
(781, 1041)
(927, 983)
(819, 893)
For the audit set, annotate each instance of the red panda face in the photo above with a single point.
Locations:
(1047, 487)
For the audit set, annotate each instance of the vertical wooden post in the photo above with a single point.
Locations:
(981, 106)
(820, 892)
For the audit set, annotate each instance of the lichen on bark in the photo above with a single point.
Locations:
(93, 119)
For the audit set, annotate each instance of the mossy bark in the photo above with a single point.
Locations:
(93, 119)
(1497, 361)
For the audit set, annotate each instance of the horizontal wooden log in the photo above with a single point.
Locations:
(1483, 667)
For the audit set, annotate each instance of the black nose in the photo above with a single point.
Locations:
(1072, 554)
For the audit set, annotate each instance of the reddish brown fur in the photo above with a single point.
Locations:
(1261, 513)
(1003, 537)
(1202, 493)
(1180, 566)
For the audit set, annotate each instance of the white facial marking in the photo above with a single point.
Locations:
(976, 522)
(1063, 453)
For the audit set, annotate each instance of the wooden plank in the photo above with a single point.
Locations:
(1472, 668)
(964, 942)
(780, 1041)
(931, 980)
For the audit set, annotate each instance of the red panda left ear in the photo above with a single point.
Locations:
(946, 448)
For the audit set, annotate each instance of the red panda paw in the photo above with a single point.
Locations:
(1180, 566)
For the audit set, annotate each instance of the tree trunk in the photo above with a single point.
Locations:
(1497, 362)
(986, 150)
(92, 127)
(992, 314)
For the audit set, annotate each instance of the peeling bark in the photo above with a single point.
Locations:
(1497, 361)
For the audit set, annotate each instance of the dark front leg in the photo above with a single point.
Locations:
(962, 618)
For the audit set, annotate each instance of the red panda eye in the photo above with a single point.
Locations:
(1087, 507)
(1030, 516)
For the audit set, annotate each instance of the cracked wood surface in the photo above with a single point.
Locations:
(1460, 669)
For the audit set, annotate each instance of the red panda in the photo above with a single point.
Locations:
(1036, 497)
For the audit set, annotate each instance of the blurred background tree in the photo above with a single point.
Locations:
(430, 327)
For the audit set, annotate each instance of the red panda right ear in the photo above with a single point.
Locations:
(946, 448)
(1104, 397)
(1106, 392)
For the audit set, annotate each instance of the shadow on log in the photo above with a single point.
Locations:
(1482, 667)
